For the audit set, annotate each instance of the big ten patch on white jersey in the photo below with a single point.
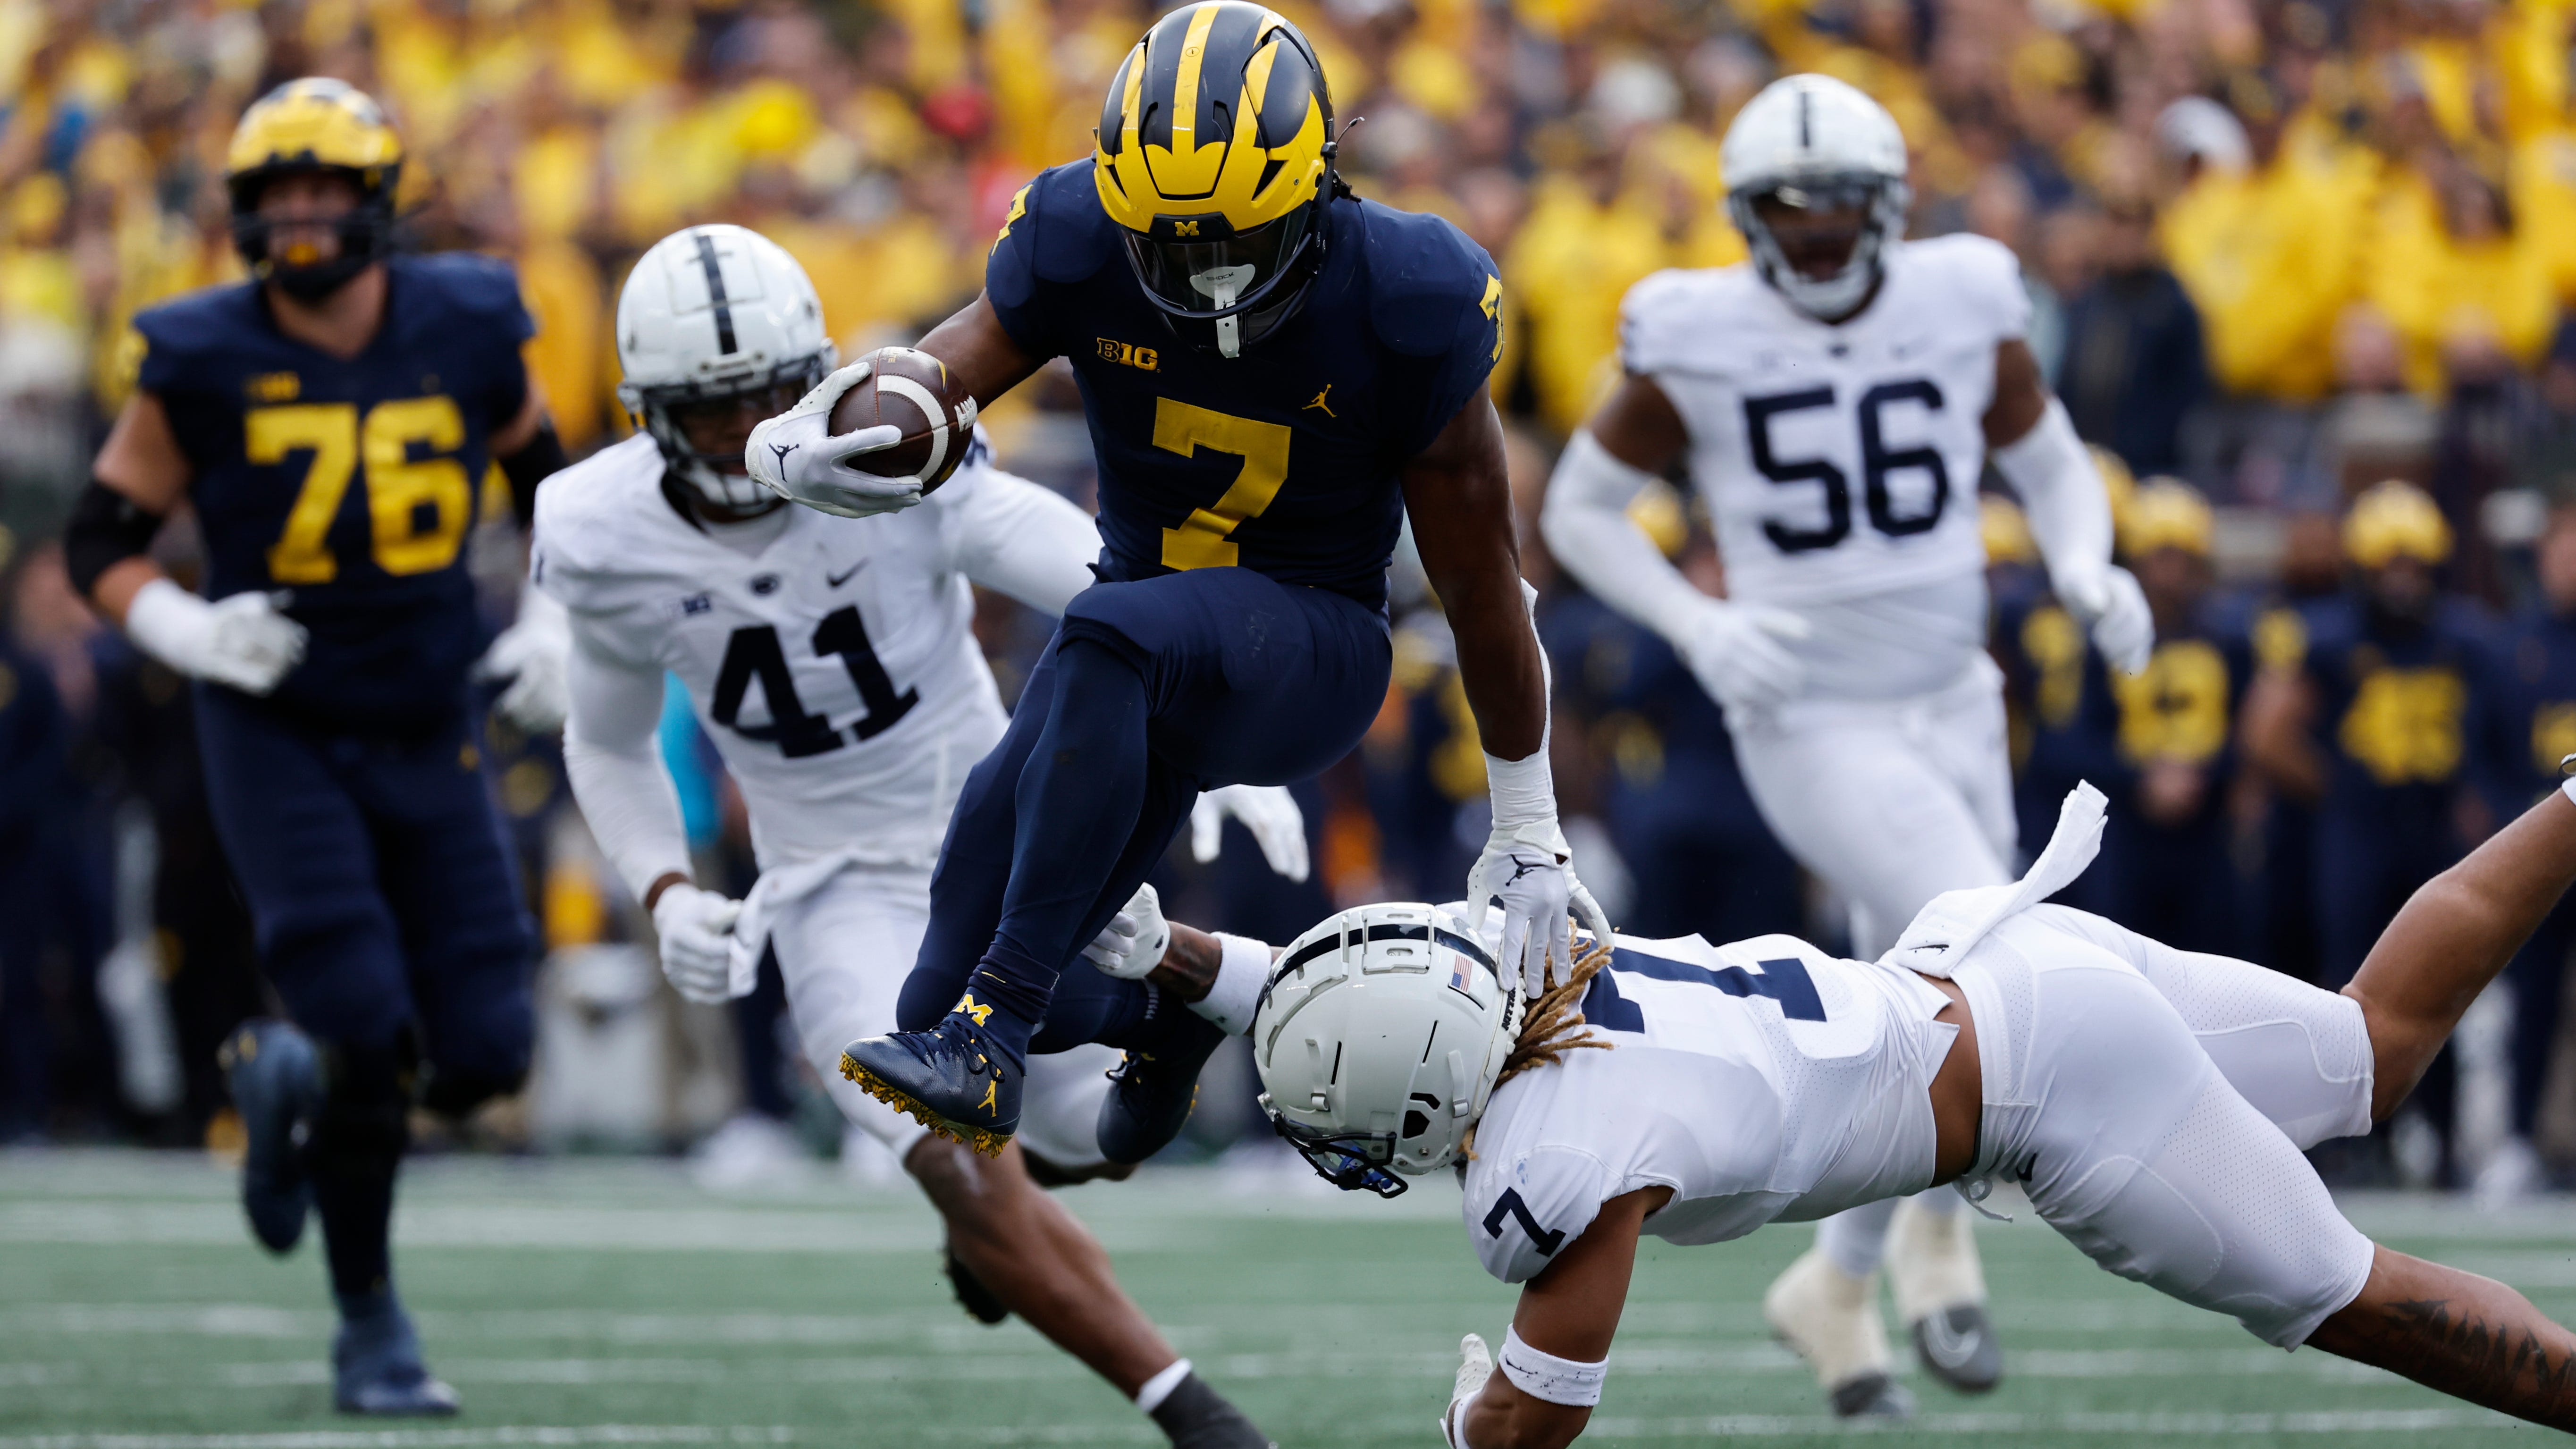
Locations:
(834, 667)
(1759, 1080)
(1837, 460)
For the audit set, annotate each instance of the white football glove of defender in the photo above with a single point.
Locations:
(1736, 654)
(1475, 1365)
(796, 456)
(2109, 604)
(1133, 942)
(534, 654)
(1529, 873)
(241, 640)
(696, 927)
(1268, 811)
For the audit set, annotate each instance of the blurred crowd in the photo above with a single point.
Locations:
(2297, 264)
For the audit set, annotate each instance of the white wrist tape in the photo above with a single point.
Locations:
(1160, 1386)
(2567, 787)
(1240, 974)
(1545, 1376)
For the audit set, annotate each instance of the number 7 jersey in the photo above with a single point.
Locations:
(1837, 461)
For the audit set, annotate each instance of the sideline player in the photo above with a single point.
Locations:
(833, 661)
(1836, 399)
(1276, 374)
(329, 420)
(2153, 1102)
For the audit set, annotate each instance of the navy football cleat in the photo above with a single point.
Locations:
(275, 1079)
(376, 1368)
(952, 1079)
(1151, 1093)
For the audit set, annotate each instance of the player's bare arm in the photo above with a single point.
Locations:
(979, 352)
(1569, 1312)
(1458, 493)
(2021, 395)
(1640, 427)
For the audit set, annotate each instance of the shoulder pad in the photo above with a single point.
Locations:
(466, 279)
(1981, 274)
(1664, 317)
(188, 326)
(593, 526)
(1075, 237)
(1425, 278)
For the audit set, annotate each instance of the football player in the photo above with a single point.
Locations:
(2152, 1102)
(329, 420)
(834, 663)
(1276, 375)
(1835, 399)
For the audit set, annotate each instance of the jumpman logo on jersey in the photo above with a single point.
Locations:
(1319, 402)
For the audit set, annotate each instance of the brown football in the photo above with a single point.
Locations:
(913, 391)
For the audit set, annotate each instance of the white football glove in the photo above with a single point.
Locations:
(1475, 1365)
(242, 640)
(1529, 872)
(1268, 811)
(1735, 652)
(1133, 942)
(534, 655)
(795, 455)
(2111, 606)
(696, 927)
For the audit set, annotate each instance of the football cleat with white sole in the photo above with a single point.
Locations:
(1940, 1289)
(1831, 1319)
(376, 1368)
(275, 1079)
(952, 1079)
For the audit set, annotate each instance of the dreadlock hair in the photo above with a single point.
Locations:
(1551, 1027)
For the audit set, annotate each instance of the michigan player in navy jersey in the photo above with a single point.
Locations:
(1276, 373)
(329, 421)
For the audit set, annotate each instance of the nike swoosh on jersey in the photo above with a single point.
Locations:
(833, 580)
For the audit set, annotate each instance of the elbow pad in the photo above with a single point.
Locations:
(2062, 492)
(542, 457)
(106, 528)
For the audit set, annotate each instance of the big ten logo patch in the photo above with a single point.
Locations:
(1128, 354)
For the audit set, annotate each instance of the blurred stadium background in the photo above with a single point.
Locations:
(2279, 252)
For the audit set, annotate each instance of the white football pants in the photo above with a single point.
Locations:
(1891, 802)
(844, 949)
(2155, 1103)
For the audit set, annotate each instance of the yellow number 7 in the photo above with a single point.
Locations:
(1205, 538)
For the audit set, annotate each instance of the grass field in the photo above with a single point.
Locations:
(612, 1303)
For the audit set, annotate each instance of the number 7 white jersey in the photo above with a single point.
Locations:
(836, 667)
(1837, 461)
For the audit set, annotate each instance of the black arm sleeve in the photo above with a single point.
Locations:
(541, 456)
(106, 526)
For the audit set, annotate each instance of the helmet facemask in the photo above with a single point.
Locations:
(716, 475)
(1233, 291)
(365, 233)
(1878, 201)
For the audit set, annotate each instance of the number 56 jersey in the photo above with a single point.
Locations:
(832, 660)
(1761, 1081)
(1837, 461)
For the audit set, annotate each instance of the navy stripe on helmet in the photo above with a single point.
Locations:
(716, 294)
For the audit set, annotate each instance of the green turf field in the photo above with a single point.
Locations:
(612, 1303)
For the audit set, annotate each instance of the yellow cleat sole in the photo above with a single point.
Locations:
(984, 1140)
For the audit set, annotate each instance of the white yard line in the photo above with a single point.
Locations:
(539, 1437)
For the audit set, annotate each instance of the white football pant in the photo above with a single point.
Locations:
(844, 950)
(1892, 802)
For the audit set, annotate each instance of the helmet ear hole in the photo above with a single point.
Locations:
(1415, 1124)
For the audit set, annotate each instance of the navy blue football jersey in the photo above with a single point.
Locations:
(1283, 460)
(350, 485)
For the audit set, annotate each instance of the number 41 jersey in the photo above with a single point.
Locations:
(1761, 1081)
(834, 665)
(1837, 461)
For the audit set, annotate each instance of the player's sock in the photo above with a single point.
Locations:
(1855, 1239)
(1078, 801)
(352, 1154)
(1194, 1415)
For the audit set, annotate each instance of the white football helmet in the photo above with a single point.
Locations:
(717, 316)
(1378, 1040)
(1811, 141)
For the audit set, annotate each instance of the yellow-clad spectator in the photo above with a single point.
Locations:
(2453, 273)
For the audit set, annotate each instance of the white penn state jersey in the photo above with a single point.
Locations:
(835, 668)
(1840, 462)
(1761, 1081)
